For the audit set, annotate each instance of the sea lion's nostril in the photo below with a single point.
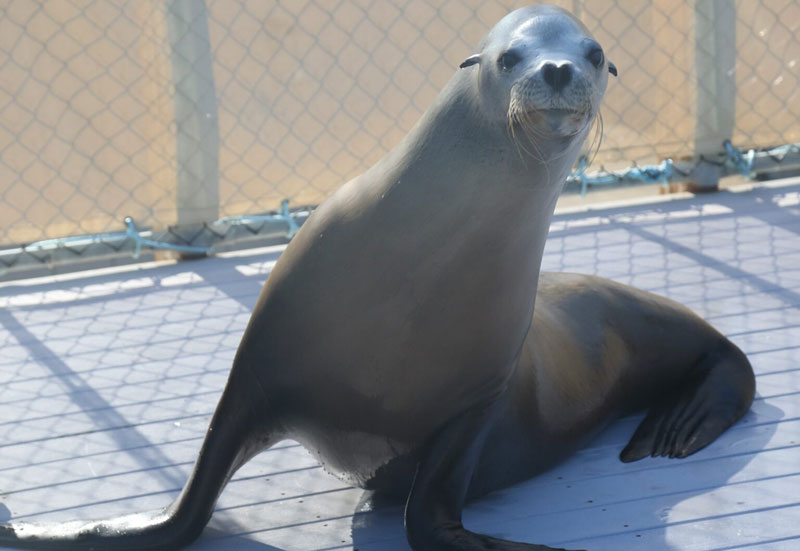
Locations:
(557, 76)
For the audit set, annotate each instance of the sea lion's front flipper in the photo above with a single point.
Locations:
(242, 426)
(714, 395)
(433, 510)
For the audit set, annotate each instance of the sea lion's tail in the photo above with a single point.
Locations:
(240, 428)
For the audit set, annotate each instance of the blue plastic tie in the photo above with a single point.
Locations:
(742, 161)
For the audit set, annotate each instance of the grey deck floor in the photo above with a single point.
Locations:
(109, 380)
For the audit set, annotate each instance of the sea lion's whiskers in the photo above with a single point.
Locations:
(510, 126)
(516, 117)
(597, 139)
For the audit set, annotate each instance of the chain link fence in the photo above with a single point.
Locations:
(179, 113)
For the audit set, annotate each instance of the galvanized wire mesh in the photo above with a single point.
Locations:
(181, 112)
(86, 123)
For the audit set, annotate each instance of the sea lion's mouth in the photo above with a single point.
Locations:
(539, 113)
(564, 112)
(556, 121)
(537, 108)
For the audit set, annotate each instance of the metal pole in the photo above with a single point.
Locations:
(197, 129)
(715, 62)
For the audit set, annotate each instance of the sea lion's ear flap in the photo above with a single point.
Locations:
(471, 60)
(612, 68)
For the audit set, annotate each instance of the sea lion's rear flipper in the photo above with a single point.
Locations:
(433, 510)
(240, 428)
(712, 397)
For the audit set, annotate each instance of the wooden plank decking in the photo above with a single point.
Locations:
(109, 380)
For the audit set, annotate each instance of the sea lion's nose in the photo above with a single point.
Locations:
(557, 76)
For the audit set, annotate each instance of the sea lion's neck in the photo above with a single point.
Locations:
(462, 180)
(457, 178)
(460, 149)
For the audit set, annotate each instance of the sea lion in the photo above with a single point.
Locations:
(393, 336)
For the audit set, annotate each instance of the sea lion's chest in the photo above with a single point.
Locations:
(397, 315)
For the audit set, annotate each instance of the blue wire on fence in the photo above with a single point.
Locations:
(648, 174)
(743, 162)
(130, 233)
(79, 240)
(284, 214)
(140, 241)
(661, 173)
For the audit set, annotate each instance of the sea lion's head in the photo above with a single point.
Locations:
(541, 72)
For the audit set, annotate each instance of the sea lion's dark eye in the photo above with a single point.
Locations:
(595, 56)
(507, 60)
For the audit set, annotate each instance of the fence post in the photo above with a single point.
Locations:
(715, 63)
(197, 128)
